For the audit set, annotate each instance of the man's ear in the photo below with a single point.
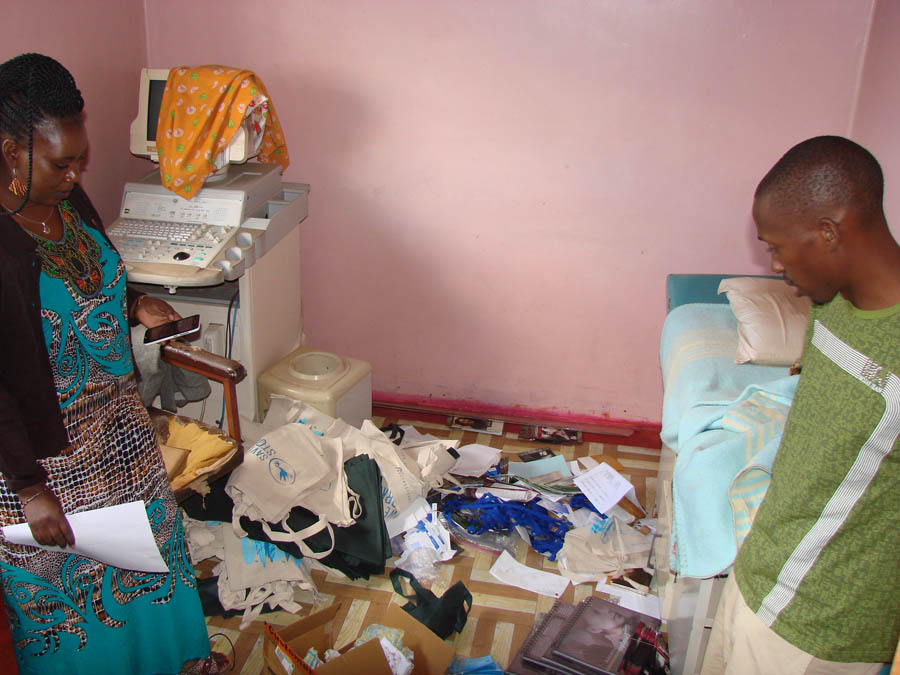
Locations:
(830, 232)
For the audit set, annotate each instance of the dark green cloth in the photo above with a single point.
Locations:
(443, 615)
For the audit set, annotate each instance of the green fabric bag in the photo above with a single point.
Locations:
(442, 615)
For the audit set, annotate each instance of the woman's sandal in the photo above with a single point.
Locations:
(214, 664)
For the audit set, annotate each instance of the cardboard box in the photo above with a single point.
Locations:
(432, 655)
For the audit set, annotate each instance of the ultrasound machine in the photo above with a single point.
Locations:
(230, 254)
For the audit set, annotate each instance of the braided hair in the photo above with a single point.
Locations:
(34, 88)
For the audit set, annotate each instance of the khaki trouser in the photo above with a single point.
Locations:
(741, 644)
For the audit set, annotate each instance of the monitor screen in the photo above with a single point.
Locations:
(143, 128)
(154, 101)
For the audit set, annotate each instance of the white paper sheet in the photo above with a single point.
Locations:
(116, 535)
(475, 459)
(645, 604)
(514, 573)
(604, 487)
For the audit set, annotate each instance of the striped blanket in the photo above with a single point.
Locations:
(724, 422)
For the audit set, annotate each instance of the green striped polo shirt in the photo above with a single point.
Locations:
(821, 564)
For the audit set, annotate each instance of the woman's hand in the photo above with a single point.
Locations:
(45, 517)
(153, 311)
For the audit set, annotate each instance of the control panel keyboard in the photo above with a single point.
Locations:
(175, 243)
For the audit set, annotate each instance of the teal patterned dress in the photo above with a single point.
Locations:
(71, 614)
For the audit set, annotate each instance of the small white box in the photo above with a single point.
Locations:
(338, 386)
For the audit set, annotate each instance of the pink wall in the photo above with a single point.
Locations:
(498, 189)
(875, 123)
(102, 44)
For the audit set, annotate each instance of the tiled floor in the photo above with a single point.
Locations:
(501, 616)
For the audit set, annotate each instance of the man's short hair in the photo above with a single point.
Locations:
(826, 171)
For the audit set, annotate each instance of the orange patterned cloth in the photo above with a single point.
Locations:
(202, 109)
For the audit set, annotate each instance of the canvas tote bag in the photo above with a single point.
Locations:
(401, 480)
(406, 474)
(292, 466)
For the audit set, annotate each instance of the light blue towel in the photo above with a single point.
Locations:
(722, 474)
(697, 350)
(724, 422)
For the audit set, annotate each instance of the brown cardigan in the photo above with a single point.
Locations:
(31, 424)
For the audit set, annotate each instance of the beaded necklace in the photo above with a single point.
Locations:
(75, 258)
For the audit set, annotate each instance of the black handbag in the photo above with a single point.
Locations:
(443, 615)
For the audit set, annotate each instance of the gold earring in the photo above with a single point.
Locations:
(16, 187)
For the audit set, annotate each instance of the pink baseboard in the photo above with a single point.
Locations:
(632, 432)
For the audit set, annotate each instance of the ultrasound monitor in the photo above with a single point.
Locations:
(143, 128)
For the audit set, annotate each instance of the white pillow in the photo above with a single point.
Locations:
(771, 320)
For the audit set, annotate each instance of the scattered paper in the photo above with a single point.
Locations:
(540, 467)
(116, 535)
(428, 534)
(479, 424)
(582, 517)
(400, 665)
(423, 530)
(553, 498)
(549, 480)
(531, 455)
(509, 494)
(408, 517)
(552, 503)
(604, 487)
(412, 436)
(475, 459)
(645, 604)
(514, 573)
(587, 462)
(622, 514)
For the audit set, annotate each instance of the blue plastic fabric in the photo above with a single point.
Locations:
(492, 513)
(481, 665)
(580, 501)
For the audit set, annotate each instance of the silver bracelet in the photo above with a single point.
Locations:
(36, 494)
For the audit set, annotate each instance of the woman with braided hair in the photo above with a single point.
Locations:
(74, 435)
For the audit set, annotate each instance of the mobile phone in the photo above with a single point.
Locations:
(189, 325)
